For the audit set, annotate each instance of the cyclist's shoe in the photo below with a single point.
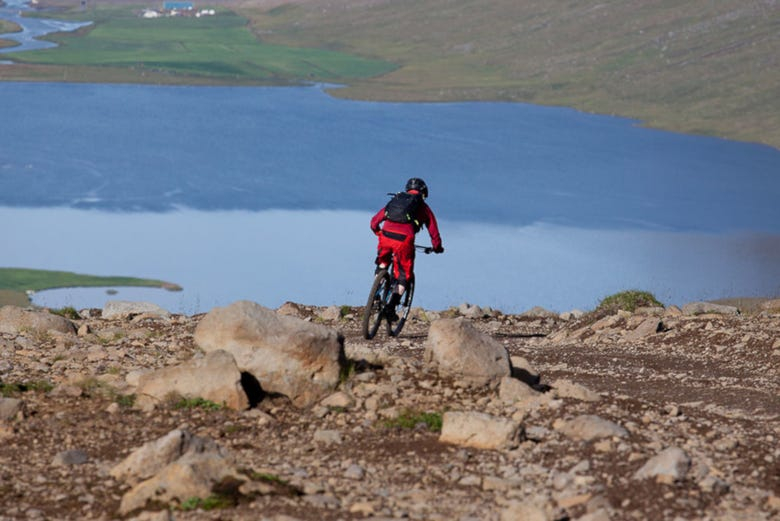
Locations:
(379, 268)
(390, 314)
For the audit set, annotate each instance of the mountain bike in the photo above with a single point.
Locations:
(378, 307)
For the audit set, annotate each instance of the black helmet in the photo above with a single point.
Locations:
(415, 183)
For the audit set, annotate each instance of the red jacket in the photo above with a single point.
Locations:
(424, 216)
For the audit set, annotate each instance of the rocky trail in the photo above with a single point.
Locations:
(471, 414)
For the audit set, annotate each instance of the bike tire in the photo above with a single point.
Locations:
(402, 310)
(373, 314)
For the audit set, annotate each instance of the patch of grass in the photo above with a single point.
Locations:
(197, 403)
(410, 419)
(267, 477)
(13, 389)
(628, 300)
(213, 502)
(348, 368)
(344, 311)
(67, 312)
(125, 400)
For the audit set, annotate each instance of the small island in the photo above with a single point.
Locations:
(17, 284)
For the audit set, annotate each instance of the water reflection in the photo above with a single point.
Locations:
(324, 257)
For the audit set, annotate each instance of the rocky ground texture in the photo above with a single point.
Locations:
(656, 414)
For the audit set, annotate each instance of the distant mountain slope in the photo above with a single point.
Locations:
(692, 66)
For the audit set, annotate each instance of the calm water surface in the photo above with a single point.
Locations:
(266, 193)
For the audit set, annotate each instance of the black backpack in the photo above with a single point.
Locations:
(402, 208)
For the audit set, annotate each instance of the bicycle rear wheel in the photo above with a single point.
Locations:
(374, 312)
(402, 310)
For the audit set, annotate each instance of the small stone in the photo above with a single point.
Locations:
(328, 437)
(70, 457)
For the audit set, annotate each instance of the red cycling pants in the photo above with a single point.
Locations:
(402, 246)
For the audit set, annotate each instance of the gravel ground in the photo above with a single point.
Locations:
(706, 384)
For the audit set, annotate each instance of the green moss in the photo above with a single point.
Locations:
(197, 403)
(410, 419)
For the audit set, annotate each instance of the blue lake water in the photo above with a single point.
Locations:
(265, 194)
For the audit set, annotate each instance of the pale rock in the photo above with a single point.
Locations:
(339, 399)
(672, 311)
(573, 314)
(605, 323)
(291, 309)
(539, 312)
(563, 388)
(700, 308)
(511, 390)
(192, 475)
(328, 437)
(601, 514)
(479, 430)
(70, 457)
(10, 408)
(649, 326)
(124, 309)
(289, 356)
(83, 330)
(355, 472)
(524, 511)
(214, 377)
(470, 310)
(153, 456)
(650, 311)
(15, 320)
(162, 515)
(589, 427)
(331, 314)
(668, 466)
(457, 349)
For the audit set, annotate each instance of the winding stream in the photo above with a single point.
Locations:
(32, 28)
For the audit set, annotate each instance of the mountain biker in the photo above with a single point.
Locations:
(396, 237)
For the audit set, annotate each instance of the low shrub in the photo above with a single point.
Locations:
(628, 300)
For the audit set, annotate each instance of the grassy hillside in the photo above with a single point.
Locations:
(14, 282)
(214, 47)
(692, 66)
(702, 67)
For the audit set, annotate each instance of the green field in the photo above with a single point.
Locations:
(15, 282)
(698, 67)
(213, 47)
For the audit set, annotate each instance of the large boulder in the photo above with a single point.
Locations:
(179, 467)
(15, 320)
(285, 354)
(668, 466)
(214, 377)
(124, 309)
(457, 349)
(588, 427)
(702, 308)
(479, 430)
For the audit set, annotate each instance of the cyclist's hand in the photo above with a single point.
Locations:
(439, 249)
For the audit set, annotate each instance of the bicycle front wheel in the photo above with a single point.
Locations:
(402, 310)
(372, 315)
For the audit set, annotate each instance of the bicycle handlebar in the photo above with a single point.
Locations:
(424, 249)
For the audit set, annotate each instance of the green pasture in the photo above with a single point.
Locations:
(219, 47)
(14, 282)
